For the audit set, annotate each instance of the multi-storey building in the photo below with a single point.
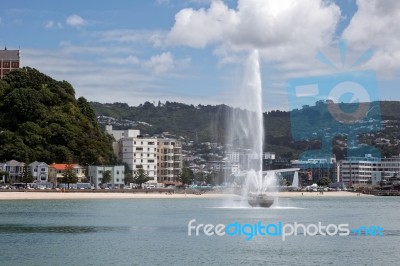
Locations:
(161, 159)
(365, 170)
(314, 168)
(169, 161)
(95, 174)
(9, 60)
(139, 152)
(248, 159)
(119, 134)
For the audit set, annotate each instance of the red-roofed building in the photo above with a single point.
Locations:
(9, 60)
(56, 171)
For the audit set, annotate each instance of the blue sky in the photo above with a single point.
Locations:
(192, 51)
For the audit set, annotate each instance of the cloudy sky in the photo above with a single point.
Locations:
(192, 51)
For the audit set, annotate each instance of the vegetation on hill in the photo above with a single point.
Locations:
(310, 124)
(40, 120)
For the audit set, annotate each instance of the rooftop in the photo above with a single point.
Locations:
(9, 54)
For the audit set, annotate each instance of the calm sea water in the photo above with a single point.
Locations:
(154, 232)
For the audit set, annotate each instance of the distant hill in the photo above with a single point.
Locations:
(40, 119)
(208, 123)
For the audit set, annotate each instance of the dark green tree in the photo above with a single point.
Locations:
(283, 182)
(27, 176)
(41, 120)
(186, 176)
(140, 177)
(69, 175)
(4, 174)
(106, 177)
(323, 181)
(129, 178)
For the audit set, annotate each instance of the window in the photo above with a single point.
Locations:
(117, 179)
(139, 148)
(35, 170)
(43, 169)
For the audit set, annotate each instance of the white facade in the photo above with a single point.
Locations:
(119, 134)
(225, 167)
(39, 171)
(364, 170)
(95, 174)
(140, 153)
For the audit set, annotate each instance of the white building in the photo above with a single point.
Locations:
(95, 174)
(225, 167)
(119, 134)
(368, 169)
(140, 153)
(39, 171)
(161, 159)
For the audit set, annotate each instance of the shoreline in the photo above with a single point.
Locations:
(51, 195)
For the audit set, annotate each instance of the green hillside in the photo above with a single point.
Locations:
(208, 123)
(40, 119)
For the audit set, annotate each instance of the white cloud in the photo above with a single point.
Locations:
(160, 63)
(279, 29)
(156, 38)
(75, 21)
(375, 25)
(53, 25)
(129, 60)
(114, 75)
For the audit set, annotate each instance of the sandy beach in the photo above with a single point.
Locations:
(38, 195)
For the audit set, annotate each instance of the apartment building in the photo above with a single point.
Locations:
(139, 152)
(161, 159)
(9, 60)
(169, 161)
(95, 175)
(365, 170)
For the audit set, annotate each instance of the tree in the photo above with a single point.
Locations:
(27, 176)
(128, 178)
(323, 181)
(186, 176)
(106, 177)
(69, 175)
(4, 175)
(140, 177)
(283, 182)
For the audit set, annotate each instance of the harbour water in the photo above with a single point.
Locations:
(155, 232)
